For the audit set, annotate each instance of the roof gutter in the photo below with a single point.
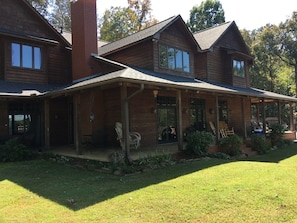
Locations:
(136, 92)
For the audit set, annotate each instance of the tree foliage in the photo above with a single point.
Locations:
(119, 22)
(61, 15)
(41, 6)
(208, 14)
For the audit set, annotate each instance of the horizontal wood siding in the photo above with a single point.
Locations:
(201, 66)
(143, 118)
(112, 114)
(56, 60)
(59, 65)
(3, 121)
(140, 55)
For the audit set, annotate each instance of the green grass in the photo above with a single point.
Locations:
(258, 189)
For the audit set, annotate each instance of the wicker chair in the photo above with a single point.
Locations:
(134, 137)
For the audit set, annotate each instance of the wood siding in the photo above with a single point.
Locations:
(140, 55)
(173, 37)
(23, 27)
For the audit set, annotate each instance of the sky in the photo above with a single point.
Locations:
(247, 14)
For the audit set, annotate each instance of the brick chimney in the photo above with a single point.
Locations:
(84, 37)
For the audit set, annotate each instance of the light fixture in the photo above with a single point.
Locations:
(155, 93)
(92, 117)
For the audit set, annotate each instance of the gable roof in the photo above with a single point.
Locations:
(45, 22)
(150, 32)
(207, 38)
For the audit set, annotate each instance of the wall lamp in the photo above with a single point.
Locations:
(155, 93)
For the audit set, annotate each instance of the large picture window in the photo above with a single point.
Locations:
(26, 56)
(239, 68)
(174, 59)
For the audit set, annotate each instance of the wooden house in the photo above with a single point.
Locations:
(58, 89)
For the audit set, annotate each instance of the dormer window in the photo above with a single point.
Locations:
(239, 68)
(25, 56)
(174, 59)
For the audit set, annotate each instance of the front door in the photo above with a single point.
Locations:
(166, 112)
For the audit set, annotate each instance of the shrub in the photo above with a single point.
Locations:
(277, 132)
(199, 142)
(259, 144)
(231, 145)
(12, 151)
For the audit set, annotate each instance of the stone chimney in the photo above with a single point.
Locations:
(84, 37)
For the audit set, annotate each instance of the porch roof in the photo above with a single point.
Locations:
(142, 76)
(19, 89)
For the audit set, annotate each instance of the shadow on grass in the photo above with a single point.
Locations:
(60, 183)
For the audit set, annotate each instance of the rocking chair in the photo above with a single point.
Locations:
(134, 137)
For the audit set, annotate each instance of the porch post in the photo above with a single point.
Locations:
(76, 123)
(46, 124)
(243, 118)
(279, 111)
(125, 121)
(217, 117)
(179, 121)
(292, 125)
(263, 116)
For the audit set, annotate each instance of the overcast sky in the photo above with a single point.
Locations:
(251, 14)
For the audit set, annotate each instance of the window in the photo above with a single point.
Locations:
(25, 56)
(197, 114)
(239, 68)
(174, 59)
(166, 111)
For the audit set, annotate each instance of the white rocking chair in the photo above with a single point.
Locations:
(134, 137)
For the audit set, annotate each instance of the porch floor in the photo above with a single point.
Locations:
(103, 154)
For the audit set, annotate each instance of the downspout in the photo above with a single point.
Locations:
(126, 123)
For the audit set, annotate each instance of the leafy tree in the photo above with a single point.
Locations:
(61, 15)
(119, 22)
(287, 43)
(208, 14)
(41, 6)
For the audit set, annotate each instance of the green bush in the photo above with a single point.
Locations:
(230, 145)
(12, 151)
(259, 144)
(198, 142)
(276, 134)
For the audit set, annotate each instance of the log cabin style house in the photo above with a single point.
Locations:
(58, 88)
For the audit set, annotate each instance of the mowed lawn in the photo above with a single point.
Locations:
(256, 189)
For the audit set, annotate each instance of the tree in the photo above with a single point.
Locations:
(61, 15)
(208, 14)
(119, 22)
(41, 6)
(287, 39)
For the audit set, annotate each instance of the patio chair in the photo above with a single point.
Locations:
(134, 137)
(224, 127)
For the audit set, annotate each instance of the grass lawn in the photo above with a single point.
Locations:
(256, 189)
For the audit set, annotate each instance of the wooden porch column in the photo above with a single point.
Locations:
(46, 125)
(292, 124)
(179, 121)
(263, 116)
(243, 118)
(125, 121)
(76, 123)
(217, 117)
(279, 112)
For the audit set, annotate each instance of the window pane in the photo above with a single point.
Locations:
(15, 55)
(179, 60)
(171, 58)
(37, 58)
(163, 56)
(238, 68)
(186, 61)
(27, 56)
